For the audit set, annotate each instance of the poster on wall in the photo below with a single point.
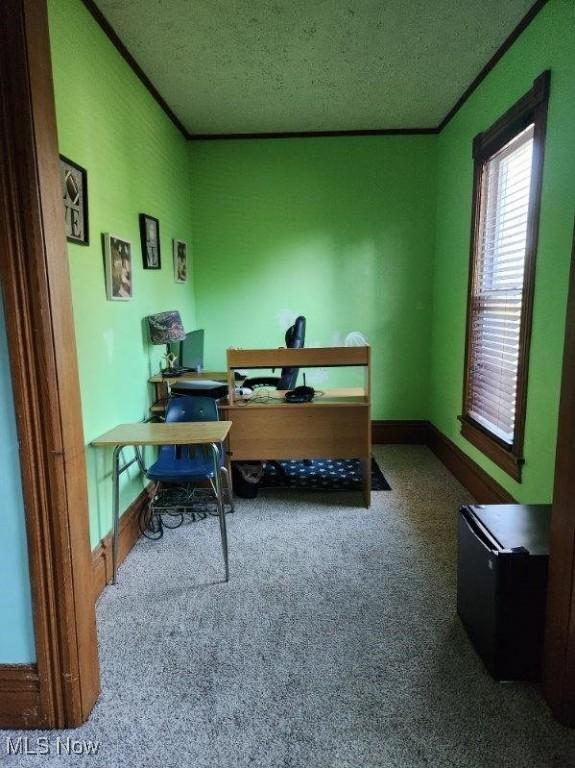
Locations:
(180, 261)
(74, 181)
(118, 265)
(150, 241)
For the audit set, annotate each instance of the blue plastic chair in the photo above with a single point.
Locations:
(186, 465)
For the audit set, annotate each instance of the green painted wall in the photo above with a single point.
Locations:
(366, 234)
(338, 229)
(548, 43)
(137, 162)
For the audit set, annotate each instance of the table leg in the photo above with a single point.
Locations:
(140, 459)
(221, 511)
(366, 481)
(116, 509)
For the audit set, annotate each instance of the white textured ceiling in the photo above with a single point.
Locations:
(259, 66)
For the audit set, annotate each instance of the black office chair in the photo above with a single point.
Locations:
(294, 339)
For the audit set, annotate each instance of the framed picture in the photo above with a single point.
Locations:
(180, 261)
(150, 240)
(118, 264)
(75, 194)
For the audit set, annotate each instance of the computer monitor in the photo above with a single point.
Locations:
(192, 351)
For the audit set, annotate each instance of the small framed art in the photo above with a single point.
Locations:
(180, 261)
(118, 266)
(75, 195)
(150, 240)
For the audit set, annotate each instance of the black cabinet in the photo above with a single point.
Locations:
(502, 561)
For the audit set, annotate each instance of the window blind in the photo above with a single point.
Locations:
(497, 288)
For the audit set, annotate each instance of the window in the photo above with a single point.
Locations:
(508, 164)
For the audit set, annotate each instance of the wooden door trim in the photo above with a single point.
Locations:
(559, 663)
(40, 331)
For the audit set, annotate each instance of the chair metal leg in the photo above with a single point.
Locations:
(221, 512)
(226, 474)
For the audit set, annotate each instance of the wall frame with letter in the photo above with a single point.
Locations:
(75, 196)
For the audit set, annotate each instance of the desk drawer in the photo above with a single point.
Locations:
(312, 431)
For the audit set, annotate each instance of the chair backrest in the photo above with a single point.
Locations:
(191, 408)
(294, 339)
(188, 408)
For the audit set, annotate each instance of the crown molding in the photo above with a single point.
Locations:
(495, 58)
(133, 64)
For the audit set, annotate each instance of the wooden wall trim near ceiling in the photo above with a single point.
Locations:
(133, 64)
(43, 364)
(431, 130)
(313, 134)
(19, 696)
(497, 56)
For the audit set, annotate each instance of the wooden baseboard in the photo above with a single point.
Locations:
(20, 696)
(129, 535)
(482, 486)
(401, 432)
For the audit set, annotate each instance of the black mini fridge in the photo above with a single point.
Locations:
(502, 561)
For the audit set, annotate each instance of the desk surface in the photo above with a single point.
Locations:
(145, 433)
(274, 398)
(191, 375)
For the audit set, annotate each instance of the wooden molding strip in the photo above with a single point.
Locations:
(139, 72)
(482, 486)
(478, 482)
(402, 432)
(499, 53)
(133, 64)
(129, 535)
(20, 705)
(313, 134)
(559, 649)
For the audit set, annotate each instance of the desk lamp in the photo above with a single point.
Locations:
(167, 328)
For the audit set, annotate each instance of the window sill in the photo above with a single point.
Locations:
(483, 441)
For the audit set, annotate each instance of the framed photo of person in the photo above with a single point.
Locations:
(74, 181)
(150, 240)
(180, 261)
(118, 265)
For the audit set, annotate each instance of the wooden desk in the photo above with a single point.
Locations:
(335, 425)
(209, 433)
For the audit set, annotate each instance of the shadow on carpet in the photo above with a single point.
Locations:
(321, 475)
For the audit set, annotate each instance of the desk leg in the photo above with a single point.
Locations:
(221, 511)
(366, 481)
(116, 509)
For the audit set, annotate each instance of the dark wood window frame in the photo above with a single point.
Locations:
(530, 109)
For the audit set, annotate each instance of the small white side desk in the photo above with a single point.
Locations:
(209, 433)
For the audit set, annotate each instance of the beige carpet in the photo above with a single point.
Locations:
(334, 645)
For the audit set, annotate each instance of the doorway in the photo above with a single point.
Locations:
(59, 689)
